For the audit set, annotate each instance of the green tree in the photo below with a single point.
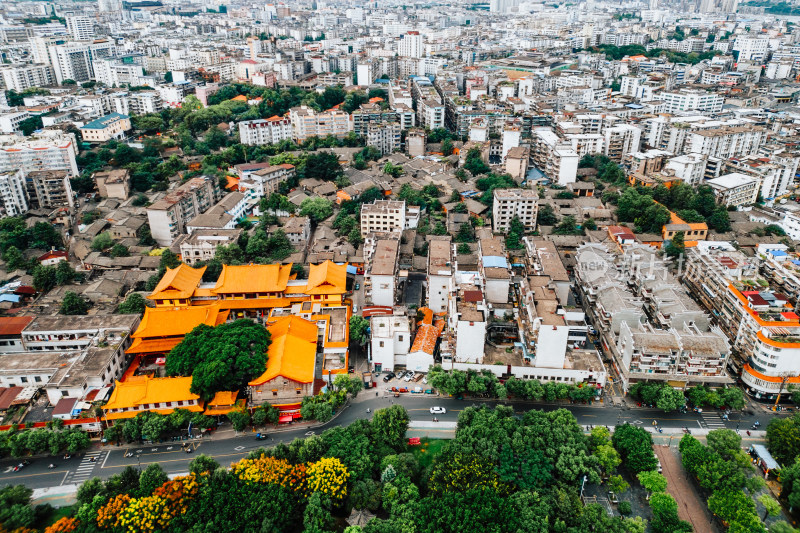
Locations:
(618, 484)
(220, 358)
(119, 250)
(447, 147)
(15, 509)
(514, 236)
(65, 274)
(474, 162)
(676, 246)
(635, 445)
(391, 424)
(151, 478)
(608, 458)
(134, 304)
(567, 226)
(783, 438)
(239, 419)
(323, 166)
(358, 329)
(652, 481)
(670, 399)
(317, 208)
(265, 414)
(546, 216)
(733, 397)
(771, 506)
(72, 304)
(463, 248)
(350, 384)
(14, 259)
(203, 463)
(102, 242)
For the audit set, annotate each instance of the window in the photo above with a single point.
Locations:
(381, 344)
(37, 379)
(400, 338)
(23, 379)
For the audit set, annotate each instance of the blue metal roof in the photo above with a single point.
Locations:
(103, 122)
(777, 253)
(494, 261)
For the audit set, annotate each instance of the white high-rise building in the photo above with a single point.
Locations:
(80, 28)
(109, 6)
(21, 77)
(265, 131)
(12, 192)
(411, 45)
(751, 48)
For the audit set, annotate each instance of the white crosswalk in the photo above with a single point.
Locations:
(712, 420)
(86, 467)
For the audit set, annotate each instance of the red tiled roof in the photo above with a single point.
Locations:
(13, 325)
(7, 396)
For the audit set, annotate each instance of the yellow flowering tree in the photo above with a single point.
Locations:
(272, 471)
(329, 477)
(465, 472)
(109, 514)
(146, 515)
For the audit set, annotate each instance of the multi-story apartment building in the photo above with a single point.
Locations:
(308, 123)
(621, 140)
(168, 216)
(750, 49)
(50, 189)
(774, 171)
(225, 214)
(80, 28)
(440, 274)
(21, 77)
(73, 61)
(371, 113)
(12, 193)
(265, 131)
(53, 151)
(430, 108)
(391, 341)
(202, 244)
(136, 103)
(383, 216)
(411, 44)
(113, 183)
(260, 183)
(113, 126)
(644, 320)
(735, 189)
(380, 276)
(9, 122)
(70, 358)
(118, 72)
(689, 100)
(510, 203)
(385, 137)
(554, 157)
(726, 142)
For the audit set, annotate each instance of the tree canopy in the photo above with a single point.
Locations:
(220, 358)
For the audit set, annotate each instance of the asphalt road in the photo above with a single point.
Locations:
(227, 448)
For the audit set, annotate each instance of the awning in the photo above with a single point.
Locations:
(351, 269)
(285, 419)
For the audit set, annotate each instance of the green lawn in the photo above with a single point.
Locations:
(427, 450)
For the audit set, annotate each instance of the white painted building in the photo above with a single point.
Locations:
(440, 274)
(12, 193)
(380, 278)
(391, 340)
(265, 131)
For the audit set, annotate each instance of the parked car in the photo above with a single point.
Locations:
(612, 497)
(401, 374)
(659, 467)
(409, 376)
(438, 410)
(388, 377)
